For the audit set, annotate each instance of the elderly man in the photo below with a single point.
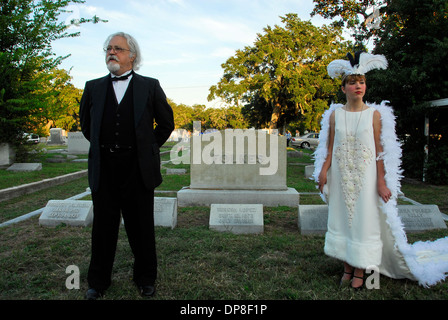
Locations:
(117, 115)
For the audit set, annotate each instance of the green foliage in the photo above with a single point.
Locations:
(413, 35)
(216, 118)
(283, 77)
(27, 64)
(351, 14)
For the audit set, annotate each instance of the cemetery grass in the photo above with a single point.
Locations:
(195, 263)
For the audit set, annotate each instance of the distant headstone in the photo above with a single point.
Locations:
(309, 171)
(165, 212)
(170, 171)
(25, 167)
(55, 136)
(313, 218)
(237, 218)
(7, 154)
(70, 212)
(77, 143)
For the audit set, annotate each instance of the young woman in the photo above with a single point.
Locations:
(357, 168)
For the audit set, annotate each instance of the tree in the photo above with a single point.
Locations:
(283, 76)
(414, 38)
(413, 35)
(27, 64)
(354, 15)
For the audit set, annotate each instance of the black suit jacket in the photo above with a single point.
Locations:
(150, 105)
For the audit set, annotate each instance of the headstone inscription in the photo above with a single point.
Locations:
(70, 212)
(237, 218)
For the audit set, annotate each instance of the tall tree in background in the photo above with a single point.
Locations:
(27, 64)
(283, 77)
(413, 35)
(356, 15)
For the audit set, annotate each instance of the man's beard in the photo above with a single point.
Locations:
(112, 66)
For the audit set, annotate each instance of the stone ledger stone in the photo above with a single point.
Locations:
(312, 219)
(25, 167)
(237, 218)
(70, 212)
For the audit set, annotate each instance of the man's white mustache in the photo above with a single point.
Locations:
(112, 58)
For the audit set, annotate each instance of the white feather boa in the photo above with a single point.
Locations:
(426, 261)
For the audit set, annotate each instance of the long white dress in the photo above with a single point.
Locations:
(362, 229)
(353, 233)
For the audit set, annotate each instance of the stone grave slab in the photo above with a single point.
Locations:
(25, 167)
(70, 212)
(312, 219)
(174, 171)
(420, 218)
(165, 212)
(309, 170)
(237, 218)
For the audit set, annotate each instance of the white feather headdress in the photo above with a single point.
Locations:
(361, 64)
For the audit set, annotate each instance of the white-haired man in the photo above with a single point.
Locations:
(117, 114)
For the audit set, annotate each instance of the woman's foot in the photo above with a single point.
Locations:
(347, 276)
(358, 279)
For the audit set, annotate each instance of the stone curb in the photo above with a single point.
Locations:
(13, 192)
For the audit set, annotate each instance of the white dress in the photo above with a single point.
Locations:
(362, 229)
(353, 233)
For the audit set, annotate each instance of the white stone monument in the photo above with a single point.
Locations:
(238, 166)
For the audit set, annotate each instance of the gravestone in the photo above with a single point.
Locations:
(25, 167)
(174, 171)
(309, 170)
(312, 219)
(237, 218)
(70, 212)
(422, 217)
(237, 166)
(7, 154)
(55, 136)
(165, 212)
(77, 143)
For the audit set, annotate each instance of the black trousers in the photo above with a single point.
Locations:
(122, 192)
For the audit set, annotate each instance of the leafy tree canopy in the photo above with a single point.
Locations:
(283, 76)
(27, 64)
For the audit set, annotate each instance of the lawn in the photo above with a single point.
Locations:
(195, 263)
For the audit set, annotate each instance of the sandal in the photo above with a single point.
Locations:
(346, 282)
(359, 287)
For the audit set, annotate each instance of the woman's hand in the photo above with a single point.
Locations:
(384, 191)
(322, 180)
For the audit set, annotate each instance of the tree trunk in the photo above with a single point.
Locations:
(275, 116)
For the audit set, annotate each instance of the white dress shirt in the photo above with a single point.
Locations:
(121, 86)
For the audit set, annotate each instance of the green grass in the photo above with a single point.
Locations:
(196, 263)
(49, 170)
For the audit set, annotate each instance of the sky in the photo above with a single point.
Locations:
(183, 42)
